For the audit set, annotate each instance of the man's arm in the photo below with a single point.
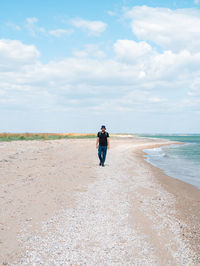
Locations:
(97, 142)
(108, 140)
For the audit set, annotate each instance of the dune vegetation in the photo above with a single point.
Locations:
(42, 136)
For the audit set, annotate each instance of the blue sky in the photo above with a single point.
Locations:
(70, 66)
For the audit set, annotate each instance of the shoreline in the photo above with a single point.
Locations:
(161, 145)
(187, 199)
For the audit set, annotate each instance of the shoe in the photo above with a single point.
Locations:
(102, 164)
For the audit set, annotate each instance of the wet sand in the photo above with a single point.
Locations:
(58, 206)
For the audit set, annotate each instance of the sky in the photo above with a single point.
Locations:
(72, 66)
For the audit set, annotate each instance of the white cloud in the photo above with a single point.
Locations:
(111, 13)
(90, 50)
(13, 26)
(33, 28)
(32, 20)
(93, 27)
(156, 100)
(14, 53)
(171, 29)
(196, 2)
(60, 32)
(130, 51)
(157, 82)
(138, 80)
(195, 86)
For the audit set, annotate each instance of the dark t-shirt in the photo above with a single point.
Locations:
(103, 138)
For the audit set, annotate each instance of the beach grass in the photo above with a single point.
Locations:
(42, 136)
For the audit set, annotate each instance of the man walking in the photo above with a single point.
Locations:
(102, 144)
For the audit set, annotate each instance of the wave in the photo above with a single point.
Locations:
(179, 161)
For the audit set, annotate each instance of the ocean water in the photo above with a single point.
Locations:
(179, 161)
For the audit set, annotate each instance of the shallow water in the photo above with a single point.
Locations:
(179, 161)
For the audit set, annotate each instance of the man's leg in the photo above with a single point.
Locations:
(104, 154)
(99, 153)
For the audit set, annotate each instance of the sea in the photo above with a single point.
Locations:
(179, 161)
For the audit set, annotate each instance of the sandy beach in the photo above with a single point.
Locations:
(59, 207)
